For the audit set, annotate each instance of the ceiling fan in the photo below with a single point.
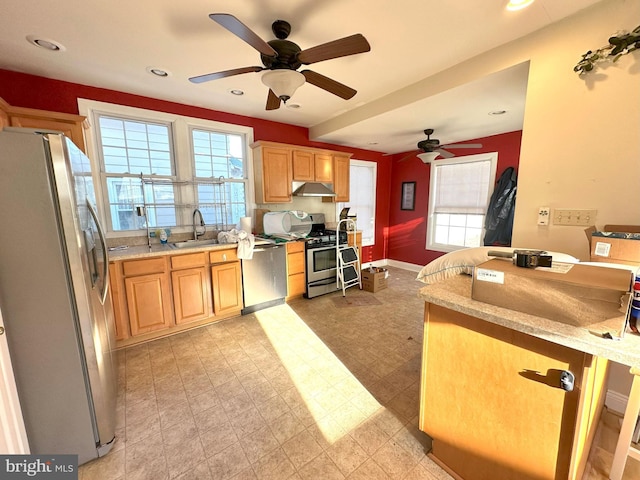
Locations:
(282, 58)
(432, 145)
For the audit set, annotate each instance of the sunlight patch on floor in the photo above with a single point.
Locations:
(330, 393)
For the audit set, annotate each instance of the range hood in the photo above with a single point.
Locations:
(312, 189)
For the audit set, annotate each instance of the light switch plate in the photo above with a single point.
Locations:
(574, 217)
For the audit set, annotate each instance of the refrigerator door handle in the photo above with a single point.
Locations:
(105, 255)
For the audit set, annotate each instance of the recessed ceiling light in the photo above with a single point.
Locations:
(372, 143)
(45, 43)
(293, 105)
(498, 112)
(158, 72)
(236, 91)
(514, 5)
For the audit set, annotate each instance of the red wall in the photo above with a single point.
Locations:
(400, 235)
(408, 228)
(22, 90)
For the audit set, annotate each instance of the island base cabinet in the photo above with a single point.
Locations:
(492, 403)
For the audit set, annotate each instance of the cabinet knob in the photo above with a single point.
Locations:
(567, 380)
(224, 256)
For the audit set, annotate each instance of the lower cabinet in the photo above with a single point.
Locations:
(156, 296)
(296, 280)
(492, 403)
(148, 302)
(227, 288)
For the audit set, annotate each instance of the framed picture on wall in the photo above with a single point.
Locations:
(408, 199)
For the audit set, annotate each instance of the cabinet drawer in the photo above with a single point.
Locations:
(295, 247)
(144, 267)
(190, 260)
(222, 256)
(295, 263)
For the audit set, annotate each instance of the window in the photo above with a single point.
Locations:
(193, 163)
(362, 198)
(459, 195)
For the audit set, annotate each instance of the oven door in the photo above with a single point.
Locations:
(321, 271)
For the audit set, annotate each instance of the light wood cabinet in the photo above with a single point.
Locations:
(190, 287)
(272, 170)
(341, 172)
(296, 279)
(157, 296)
(71, 125)
(276, 165)
(307, 166)
(355, 239)
(148, 293)
(227, 288)
(491, 401)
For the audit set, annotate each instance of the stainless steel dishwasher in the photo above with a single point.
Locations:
(264, 278)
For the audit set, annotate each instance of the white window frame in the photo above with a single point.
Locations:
(181, 131)
(366, 242)
(440, 247)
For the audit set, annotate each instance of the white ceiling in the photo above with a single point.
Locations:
(111, 44)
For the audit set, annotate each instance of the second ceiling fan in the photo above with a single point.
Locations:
(283, 58)
(430, 145)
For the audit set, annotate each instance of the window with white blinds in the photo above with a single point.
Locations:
(459, 194)
(362, 198)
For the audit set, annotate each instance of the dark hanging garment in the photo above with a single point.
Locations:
(499, 220)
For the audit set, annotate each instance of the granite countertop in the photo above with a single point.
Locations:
(455, 294)
(157, 250)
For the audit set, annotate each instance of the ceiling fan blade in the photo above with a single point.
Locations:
(463, 145)
(329, 85)
(243, 32)
(410, 155)
(226, 73)
(273, 102)
(444, 153)
(335, 49)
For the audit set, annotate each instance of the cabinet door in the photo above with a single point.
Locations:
(490, 402)
(149, 303)
(296, 280)
(323, 168)
(276, 175)
(226, 280)
(190, 294)
(302, 166)
(340, 179)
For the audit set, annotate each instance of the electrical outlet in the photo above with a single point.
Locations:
(574, 217)
(543, 215)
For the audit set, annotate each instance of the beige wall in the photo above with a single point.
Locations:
(581, 137)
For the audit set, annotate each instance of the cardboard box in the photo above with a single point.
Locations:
(579, 295)
(374, 281)
(614, 247)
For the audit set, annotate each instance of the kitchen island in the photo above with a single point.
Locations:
(490, 387)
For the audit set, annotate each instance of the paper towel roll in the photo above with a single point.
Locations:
(245, 224)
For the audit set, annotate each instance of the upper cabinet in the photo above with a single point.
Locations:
(71, 125)
(276, 165)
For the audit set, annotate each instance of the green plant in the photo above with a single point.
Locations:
(619, 44)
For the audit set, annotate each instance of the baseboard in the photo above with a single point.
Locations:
(404, 265)
(616, 401)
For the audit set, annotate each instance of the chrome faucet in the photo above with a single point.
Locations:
(197, 234)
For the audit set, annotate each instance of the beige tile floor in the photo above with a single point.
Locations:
(301, 391)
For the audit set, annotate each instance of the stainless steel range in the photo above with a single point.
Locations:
(320, 252)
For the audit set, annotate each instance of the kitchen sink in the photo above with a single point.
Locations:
(194, 243)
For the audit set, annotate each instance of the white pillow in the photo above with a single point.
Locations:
(463, 261)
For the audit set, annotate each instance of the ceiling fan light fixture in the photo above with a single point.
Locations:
(428, 157)
(515, 5)
(283, 82)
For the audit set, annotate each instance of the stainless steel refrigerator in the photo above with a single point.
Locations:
(54, 295)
